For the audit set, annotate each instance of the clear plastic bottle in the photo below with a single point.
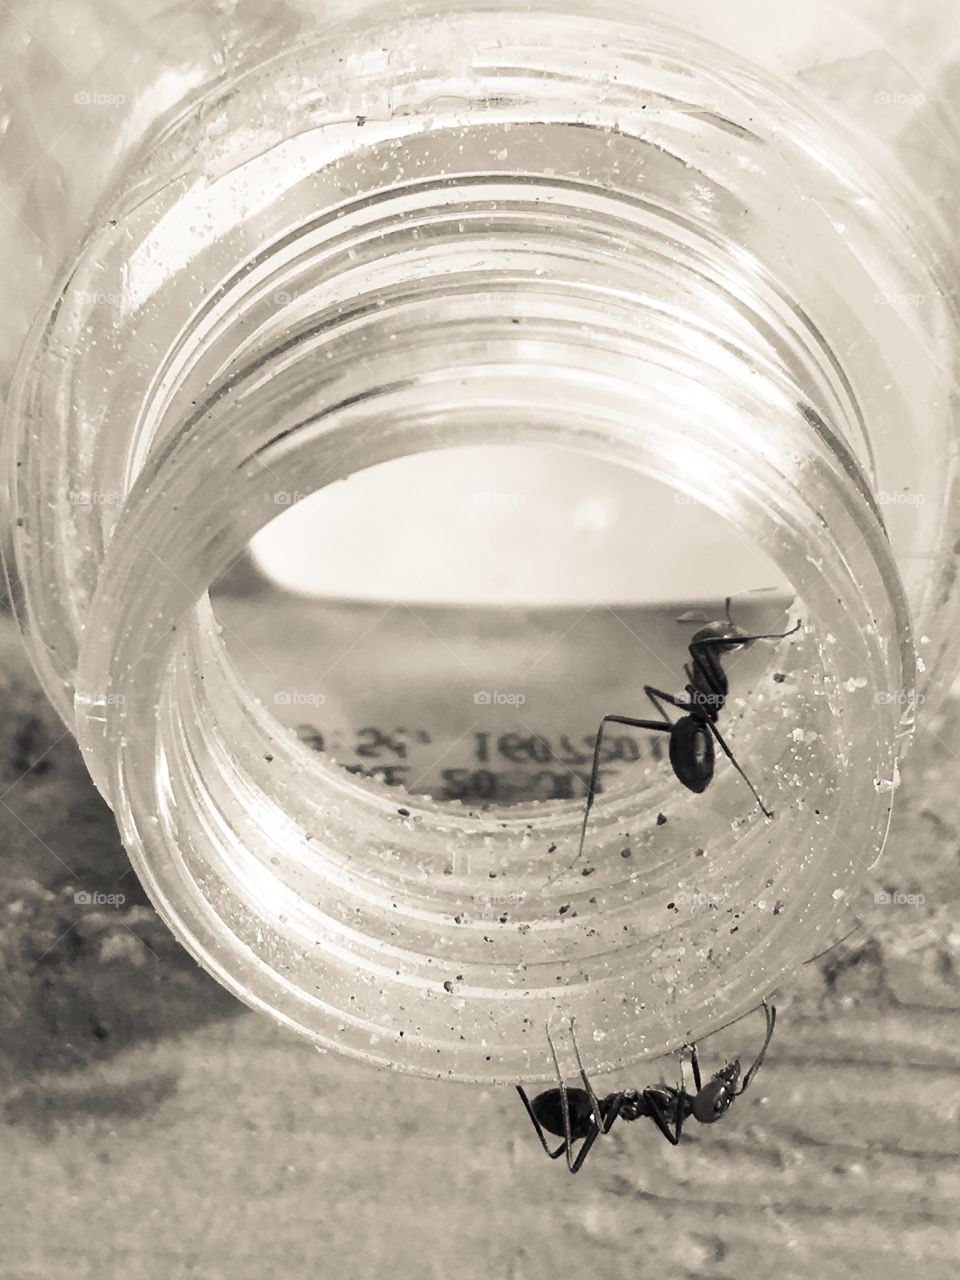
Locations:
(713, 247)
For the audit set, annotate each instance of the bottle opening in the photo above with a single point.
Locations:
(456, 624)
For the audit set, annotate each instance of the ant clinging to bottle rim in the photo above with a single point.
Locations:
(578, 1115)
(692, 754)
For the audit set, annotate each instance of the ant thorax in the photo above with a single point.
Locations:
(631, 1105)
(666, 1096)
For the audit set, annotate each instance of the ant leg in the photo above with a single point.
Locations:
(698, 1083)
(656, 1115)
(583, 1152)
(695, 1065)
(771, 1015)
(595, 1105)
(679, 1120)
(732, 758)
(592, 1137)
(601, 1126)
(652, 725)
(564, 1103)
(658, 697)
(536, 1124)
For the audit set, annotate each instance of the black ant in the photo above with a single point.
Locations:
(578, 1114)
(692, 755)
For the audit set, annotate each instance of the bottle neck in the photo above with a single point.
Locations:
(474, 258)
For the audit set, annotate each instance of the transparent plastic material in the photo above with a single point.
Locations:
(662, 238)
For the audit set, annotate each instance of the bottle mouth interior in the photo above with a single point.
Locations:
(435, 285)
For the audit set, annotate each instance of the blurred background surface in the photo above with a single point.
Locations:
(152, 1126)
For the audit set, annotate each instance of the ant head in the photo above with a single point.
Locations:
(728, 631)
(716, 1097)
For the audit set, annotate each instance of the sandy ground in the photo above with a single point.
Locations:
(154, 1128)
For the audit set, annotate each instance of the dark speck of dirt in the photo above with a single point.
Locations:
(404, 813)
(661, 819)
(588, 871)
(698, 853)
(552, 849)
(448, 986)
(268, 758)
(564, 910)
(626, 853)
(778, 677)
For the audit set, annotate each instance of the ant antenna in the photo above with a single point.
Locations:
(781, 635)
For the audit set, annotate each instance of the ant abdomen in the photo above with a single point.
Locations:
(548, 1109)
(692, 755)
